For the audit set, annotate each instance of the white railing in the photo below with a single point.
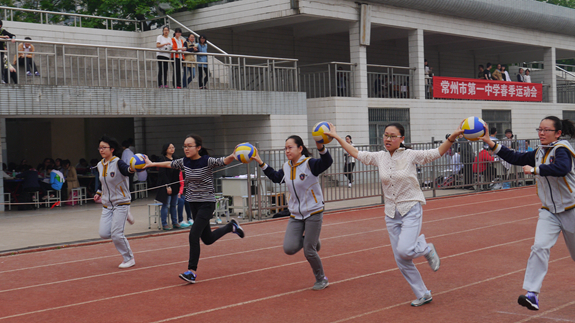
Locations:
(386, 81)
(72, 64)
(327, 79)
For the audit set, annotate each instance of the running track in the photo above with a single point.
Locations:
(483, 241)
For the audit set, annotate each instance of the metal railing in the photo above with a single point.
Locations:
(327, 79)
(459, 169)
(386, 81)
(72, 64)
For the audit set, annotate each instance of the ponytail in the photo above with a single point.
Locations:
(299, 142)
(566, 126)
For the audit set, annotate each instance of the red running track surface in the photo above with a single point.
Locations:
(483, 240)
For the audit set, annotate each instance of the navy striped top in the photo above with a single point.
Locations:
(199, 177)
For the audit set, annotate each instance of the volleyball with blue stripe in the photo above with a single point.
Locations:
(138, 162)
(245, 152)
(473, 128)
(318, 132)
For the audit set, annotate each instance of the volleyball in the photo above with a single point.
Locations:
(245, 152)
(318, 130)
(138, 162)
(473, 128)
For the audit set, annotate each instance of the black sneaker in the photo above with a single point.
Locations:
(530, 301)
(237, 229)
(189, 276)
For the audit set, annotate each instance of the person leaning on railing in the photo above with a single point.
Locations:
(190, 67)
(164, 43)
(26, 58)
(4, 64)
(203, 68)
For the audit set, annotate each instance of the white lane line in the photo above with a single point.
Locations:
(556, 319)
(266, 234)
(256, 250)
(449, 291)
(548, 311)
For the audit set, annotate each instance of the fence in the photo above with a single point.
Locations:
(114, 66)
(385, 81)
(465, 166)
(327, 79)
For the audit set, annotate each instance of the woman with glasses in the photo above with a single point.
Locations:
(403, 200)
(115, 198)
(552, 165)
(300, 174)
(198, 166)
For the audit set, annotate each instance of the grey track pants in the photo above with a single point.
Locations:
(295, 240)
(549, 226)
(112, 223)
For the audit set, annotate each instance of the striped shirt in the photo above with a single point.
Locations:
(199, 177)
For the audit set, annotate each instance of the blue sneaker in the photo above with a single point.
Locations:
(530, 301)
(236, 228)
(184, 224)
(189, 276)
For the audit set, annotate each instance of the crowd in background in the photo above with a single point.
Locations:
(500, 73)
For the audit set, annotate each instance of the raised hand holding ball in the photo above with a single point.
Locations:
(473, 128)
(245, 152)
(318, 134)
(138, 162)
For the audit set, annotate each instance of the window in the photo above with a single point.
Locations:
(570, 115)
(500, 119)
(379, 118)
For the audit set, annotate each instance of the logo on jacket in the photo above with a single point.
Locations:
(302, 176)
(551, 159)
(112, 174)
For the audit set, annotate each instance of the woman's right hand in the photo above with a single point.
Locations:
(97, 198)
(257, 158)
(332, 132)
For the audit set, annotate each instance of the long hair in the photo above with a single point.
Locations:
(165, 148)
(348, 136)
(566, 126)
(113, 144)
(198, 140)
(299, 143)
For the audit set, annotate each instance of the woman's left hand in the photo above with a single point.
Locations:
(527, 170)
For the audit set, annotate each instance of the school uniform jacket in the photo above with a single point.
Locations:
(115, 189)
(554, 172)
(306, 197)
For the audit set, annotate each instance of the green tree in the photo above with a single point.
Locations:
(562, 3)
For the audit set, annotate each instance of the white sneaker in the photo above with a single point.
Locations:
(127, 264)
(349, 185)
(191, 222)
(131, 219)
(218, 221)
(426, 298)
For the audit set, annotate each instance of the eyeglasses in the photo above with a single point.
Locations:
(544, 130)
(391, 137)
(289, 148)
(188, 147)
(102, 148)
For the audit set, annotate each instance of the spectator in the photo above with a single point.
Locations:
(58, 164)
(481, 74)
(341, 82)
(167, 194)
(527, 146)
(82, 167)
(26, 58)
(203, 68)
(94, 171)
(5, 65)
(5, 172)
(428, 70)
(505, 73)
(132, 145)
(377, 86)
(178, 45)
(43, 168)
(71, 177)
(190, 67)
(483, 164)
(497, 76)
(164, 43)
(349, 162)
(493, 133)
(487, 72)
(520, 77)
(182, 203)
(55, 182)
(127, 154)
(509, 143)
(467, 157)
(527, 77)
(30, 184)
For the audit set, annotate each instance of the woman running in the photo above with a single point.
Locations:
(198, 166)
(115, 198)
(403, 199)
(306, 201)
(552, 165)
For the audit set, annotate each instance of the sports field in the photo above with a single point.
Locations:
(483, 240)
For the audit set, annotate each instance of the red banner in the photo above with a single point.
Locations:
(477, 89)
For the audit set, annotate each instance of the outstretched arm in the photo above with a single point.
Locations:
(444, 147)
(347, 147)
(164, 164)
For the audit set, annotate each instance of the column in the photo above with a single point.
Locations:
(358, 57)
(2, 156)
(416, 59)
(549, 60)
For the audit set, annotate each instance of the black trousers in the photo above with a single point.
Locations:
(29, 63)
(202, 213)
(203, 76)
(178, 73)
(163, 71)
(348, 169)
